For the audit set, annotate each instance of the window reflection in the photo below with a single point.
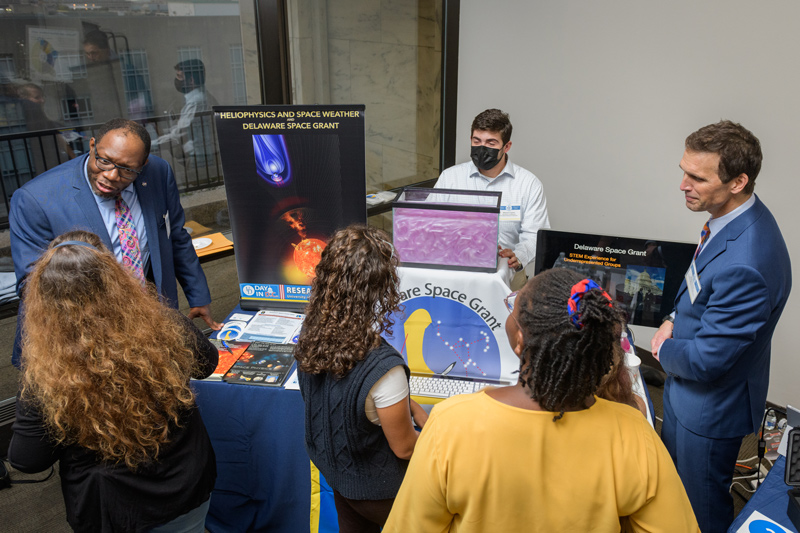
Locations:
(67, 68)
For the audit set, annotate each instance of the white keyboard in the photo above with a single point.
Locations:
(444, 387)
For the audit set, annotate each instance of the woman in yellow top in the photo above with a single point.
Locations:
(545, 454)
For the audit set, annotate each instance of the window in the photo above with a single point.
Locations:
(189, 52)
(137, 83)
(117, 59)
(70, 67)
(237, 75)
(77, 109)
(7, 69)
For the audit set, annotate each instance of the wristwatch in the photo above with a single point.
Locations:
(668, 318)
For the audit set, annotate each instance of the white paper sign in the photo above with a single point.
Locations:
(758, 523)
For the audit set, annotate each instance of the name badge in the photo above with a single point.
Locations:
(693, 282)
(510, 213)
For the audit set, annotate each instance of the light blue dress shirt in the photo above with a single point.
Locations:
(715, 225)
(106, 208)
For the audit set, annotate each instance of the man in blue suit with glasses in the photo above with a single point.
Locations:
(125, 196)
(715, 346)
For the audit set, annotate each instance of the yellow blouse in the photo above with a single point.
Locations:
(481, 465)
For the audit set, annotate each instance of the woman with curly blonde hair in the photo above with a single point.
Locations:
(105, 390)
(359, 429)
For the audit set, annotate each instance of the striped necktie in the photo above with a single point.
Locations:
(703, 238)
(128, 239)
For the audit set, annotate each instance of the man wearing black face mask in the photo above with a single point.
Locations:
(523, 204)
(192, 138)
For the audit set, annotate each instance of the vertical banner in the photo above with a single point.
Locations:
(293, 176)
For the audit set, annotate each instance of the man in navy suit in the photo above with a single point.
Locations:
(715, 347)
(81, 194)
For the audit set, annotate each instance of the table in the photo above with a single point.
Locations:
(221, 246)
(770, 499)
(264, 478)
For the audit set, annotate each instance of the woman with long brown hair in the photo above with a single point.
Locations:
(359, 429)
(105, 390)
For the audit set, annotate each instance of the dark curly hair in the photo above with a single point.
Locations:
(561, 364)
(352, 295)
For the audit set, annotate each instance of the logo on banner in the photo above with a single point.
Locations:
(231, 330)
(261, 292)
(435, 334)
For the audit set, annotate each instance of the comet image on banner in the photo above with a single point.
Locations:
(272, 159)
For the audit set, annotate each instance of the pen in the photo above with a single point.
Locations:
(225, 345)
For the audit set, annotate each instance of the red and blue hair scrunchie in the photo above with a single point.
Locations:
(574, 302)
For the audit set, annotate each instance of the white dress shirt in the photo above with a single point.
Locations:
(196, 101)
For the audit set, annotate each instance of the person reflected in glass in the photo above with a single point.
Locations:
(106, 393)
(33, 100)
(545, 454)
(96, 48)
(191, 140)
(358, 411)
(97, 52)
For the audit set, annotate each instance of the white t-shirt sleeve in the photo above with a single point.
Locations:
(387, 391)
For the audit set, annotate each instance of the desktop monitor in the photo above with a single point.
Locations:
(643, 275)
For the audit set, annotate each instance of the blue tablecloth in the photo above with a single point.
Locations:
(770, 499)
(263, 471)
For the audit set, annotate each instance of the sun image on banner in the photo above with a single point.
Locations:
(293, 176)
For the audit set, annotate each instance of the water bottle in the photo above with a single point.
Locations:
(770, 422)
(772, 436)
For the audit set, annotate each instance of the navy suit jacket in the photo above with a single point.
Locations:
(718, 359)
(61, 200)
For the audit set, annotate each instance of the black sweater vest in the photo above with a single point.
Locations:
(350, 451)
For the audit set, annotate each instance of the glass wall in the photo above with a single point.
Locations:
(65, 68)
(387, 55)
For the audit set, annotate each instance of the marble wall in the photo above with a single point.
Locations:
(385, 54)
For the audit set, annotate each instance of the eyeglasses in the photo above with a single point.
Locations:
(125, 173)
(509, 301)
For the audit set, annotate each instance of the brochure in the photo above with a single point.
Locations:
(262, 363)
(229, 353)
(273, 326)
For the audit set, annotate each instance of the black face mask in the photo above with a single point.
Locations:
(180, 86)
(485, 158)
